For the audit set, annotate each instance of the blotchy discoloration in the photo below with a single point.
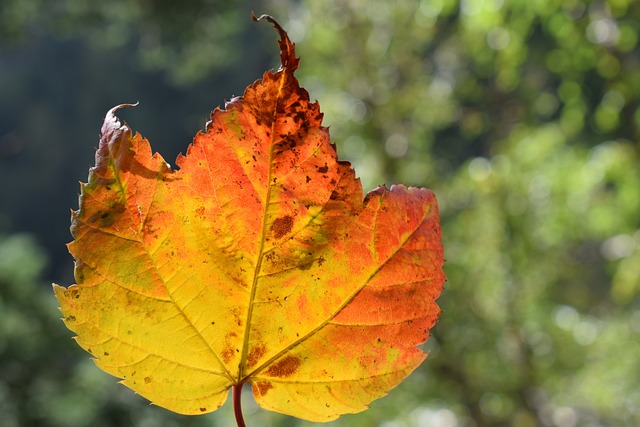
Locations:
(285, 367)
(282, 226)
(262, 387)
(255, 354)
(227, 354)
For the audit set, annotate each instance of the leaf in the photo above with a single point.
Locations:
(258, 261)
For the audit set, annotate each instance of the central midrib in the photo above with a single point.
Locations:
(256, 273)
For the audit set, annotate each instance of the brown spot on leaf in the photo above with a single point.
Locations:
(255, 354)
(282, 226)
(147, 380)
(79, 274)
(285, 367)
(203, 409)
(263, 387)
(105, 181)
(227, 354)
(264, 112)
(299, 117)
(323, 169)
(107, 217)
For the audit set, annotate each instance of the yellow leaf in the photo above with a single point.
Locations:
(259, 261)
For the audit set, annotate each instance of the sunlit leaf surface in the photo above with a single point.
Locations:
(259, 260)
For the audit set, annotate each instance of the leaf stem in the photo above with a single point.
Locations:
(237, 404)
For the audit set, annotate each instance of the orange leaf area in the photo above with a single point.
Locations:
(258, 261)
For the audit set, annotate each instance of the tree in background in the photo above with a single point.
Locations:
(523, 116)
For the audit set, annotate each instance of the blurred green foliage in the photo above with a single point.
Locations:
(524, 117)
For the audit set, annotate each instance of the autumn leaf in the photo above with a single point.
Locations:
(258, 261)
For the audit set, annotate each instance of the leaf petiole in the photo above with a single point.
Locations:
(237, 404)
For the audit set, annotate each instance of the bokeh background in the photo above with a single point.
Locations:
(523, 117)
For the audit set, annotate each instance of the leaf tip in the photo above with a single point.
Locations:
(287, 48)
(111, 122)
